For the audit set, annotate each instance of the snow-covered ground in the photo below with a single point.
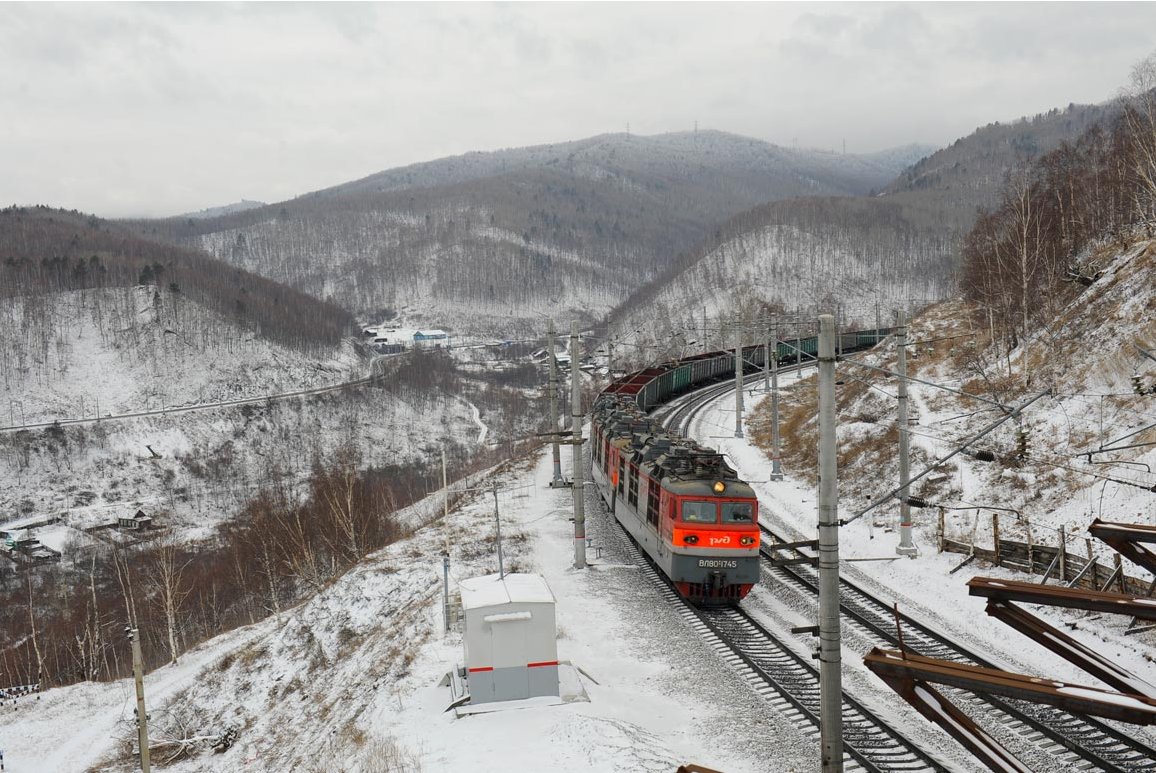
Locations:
(351, 676)
(923, 586)
(348, 679)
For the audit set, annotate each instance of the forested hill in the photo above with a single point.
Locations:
(967, 174)
(898, 248)
(45, 250)
(487, 239)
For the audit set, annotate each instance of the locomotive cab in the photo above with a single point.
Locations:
(711, 529)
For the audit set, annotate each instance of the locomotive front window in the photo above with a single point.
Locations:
(737, 512)
(699, 512)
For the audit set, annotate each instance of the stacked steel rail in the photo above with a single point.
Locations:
(1090, 739)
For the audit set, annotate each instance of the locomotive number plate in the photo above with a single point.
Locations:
(717, 563)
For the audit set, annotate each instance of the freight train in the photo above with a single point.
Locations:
(681, 502)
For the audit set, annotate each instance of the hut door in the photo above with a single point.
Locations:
(508, 644)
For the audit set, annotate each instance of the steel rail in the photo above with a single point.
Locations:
(1083, 736)
(776, 670)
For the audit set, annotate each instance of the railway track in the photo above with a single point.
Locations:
(1078, 738)
(787, 681)
(1075, 740)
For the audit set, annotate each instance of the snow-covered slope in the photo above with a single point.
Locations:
(116, 351)
(348, 680)
(1083, 358)
(123, 350)
(779, 265)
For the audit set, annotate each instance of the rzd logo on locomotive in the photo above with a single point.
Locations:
(723, 540)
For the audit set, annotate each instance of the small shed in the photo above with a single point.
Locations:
(136, 521)
(510, 637)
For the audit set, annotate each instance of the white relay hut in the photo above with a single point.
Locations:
(510, 638)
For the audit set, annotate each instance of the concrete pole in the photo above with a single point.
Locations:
(906, 547)
(776, 451)
(142, 717)
(878, 321)
(558, 480)
(446, 552)
(704, 344)
(830, 676)
(498, 524)
(798, 345)
(766, 360)
(576, 429)
(738, 380)
(838, 330)
(445, 502)
(610, 359)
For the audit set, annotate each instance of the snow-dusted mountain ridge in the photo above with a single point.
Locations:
(489, 241)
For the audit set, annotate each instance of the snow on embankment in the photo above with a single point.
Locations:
(347, 680)
(1087, 354)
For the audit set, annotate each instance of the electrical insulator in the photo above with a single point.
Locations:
(1022, 444)
(917, 502)
(981, 456)
(1137, 384)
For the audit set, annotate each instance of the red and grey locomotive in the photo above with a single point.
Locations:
(682, 503)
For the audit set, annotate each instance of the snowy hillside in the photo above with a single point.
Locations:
(778, 265)
(491, 240)
(474, 278)
(120, 350)
(110, 352)
(1086, 355)
(349, 679)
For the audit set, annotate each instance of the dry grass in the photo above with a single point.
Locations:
(386, 755)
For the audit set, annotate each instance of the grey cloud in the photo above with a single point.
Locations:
(159, 108)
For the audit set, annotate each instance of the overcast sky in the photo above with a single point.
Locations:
(163, 108)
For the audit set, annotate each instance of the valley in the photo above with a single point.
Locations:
(306, 480)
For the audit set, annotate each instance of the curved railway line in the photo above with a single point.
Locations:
(1072, 740)
(787, 681)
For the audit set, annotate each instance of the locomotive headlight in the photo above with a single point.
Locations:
(690, 539)
(747, 540)
(719, 487)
